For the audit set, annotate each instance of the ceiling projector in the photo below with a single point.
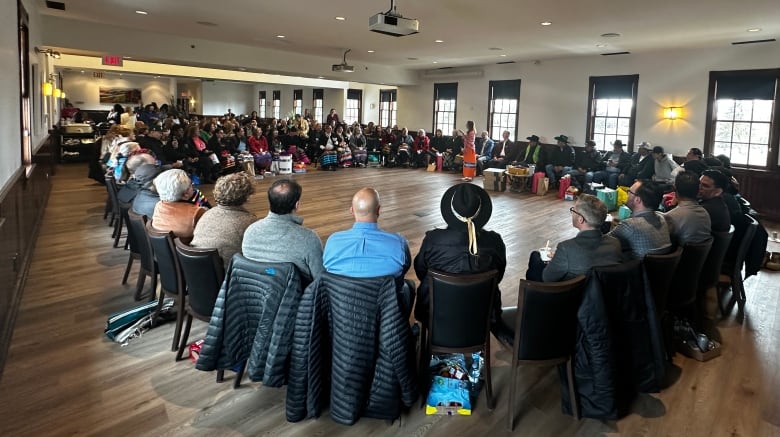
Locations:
(343, 67)
(392, 23)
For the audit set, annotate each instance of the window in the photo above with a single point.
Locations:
(504, 99)
(445, 96)
(352, 111)
(742, 121)
(388, 106)
(317, 98)
(262, 103)
(25, 96)
(277, 109)
(612, 110)
(298, 102)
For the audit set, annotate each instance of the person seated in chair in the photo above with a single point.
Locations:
(688, 221)
(403, 144)
(616, 162)
(531, 154)
(645, 231)
(366, 251)
(560, 160)
(586, 162)
(641, 166)
(665, 168)
(421, 149)
(578, 255)
(503, 153)
(463, 246)
(174, 212)
(485, 147)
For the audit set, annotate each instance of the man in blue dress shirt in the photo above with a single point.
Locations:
(365, 251)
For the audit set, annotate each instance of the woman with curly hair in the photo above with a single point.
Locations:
(222, 227)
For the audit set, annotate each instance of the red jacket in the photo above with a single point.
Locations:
(422, 143)
(258, 145)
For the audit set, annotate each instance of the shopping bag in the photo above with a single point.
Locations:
(544, 184)
(535, 181)
(563, 184)
(622, 195)
(431, 167)
(609, 197)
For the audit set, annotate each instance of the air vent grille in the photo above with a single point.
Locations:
(615, 53)
(757, 41)
(60, 6)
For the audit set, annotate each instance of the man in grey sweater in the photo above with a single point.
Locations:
(281, 237)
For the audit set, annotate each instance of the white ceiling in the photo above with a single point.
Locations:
(474, 32)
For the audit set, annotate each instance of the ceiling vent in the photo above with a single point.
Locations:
(615, 53)
(452, 73)
(60, 6)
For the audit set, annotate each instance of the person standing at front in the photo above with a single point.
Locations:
(469, 152)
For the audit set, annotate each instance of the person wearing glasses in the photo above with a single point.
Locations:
(646, 230)
(588, 249)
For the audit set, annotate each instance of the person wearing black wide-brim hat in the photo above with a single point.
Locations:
(463, 246)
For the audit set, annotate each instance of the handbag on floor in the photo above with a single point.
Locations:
(121, 320)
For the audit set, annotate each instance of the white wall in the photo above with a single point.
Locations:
(217, 97)
(554, 94)
(83, 90)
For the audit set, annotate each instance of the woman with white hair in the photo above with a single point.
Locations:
(174, 212)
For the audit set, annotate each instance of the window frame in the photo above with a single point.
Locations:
(348, 109)
(277, 104)
(493, 86)
(262, 104)
(611, 81)
(298, 102)
(773, 159)
(445, 89)
(318, 104)
(392, 107)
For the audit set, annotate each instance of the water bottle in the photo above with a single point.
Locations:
(474, 373)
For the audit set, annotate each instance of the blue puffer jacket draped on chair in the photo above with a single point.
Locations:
(253, 319)
(351, 344)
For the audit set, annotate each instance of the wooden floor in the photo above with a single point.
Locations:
(64, 378)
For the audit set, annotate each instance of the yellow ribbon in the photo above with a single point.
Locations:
(472, 231)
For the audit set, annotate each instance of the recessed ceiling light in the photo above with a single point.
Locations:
(340, 18)
(280, 36)
(502, 55)
(120, 74)
(438, 41)
(546, 23)
(610, 35)
(141, 12)
(320, 77)
(370, 51)
(755, 29)
(241, 69)
(601, 45)
(435, 62)
(82, 71)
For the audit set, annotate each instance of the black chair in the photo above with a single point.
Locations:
(710, 271)
(660, 270)
(544, 326)
(459, 320)
(203, 273)
(685, 282)
(116, 214)
(171, 277)
(731, 278)
(136, 225)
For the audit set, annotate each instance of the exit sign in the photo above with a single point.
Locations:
(113, 60)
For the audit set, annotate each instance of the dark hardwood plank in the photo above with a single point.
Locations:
(64, 378)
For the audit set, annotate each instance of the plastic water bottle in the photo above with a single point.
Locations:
(474, 374)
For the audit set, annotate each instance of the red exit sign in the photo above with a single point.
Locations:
(113, 60)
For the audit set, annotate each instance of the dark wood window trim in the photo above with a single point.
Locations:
(593, 83)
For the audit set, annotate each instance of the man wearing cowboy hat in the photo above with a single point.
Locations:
(586, 163)
(531, 153)
(560, 160)
(615, 163)
(640, 166)
(463, 246)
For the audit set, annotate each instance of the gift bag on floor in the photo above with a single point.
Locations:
(563, 184)
(535, 181)
(544, 184)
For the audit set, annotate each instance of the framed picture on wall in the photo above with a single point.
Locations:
(119, 95)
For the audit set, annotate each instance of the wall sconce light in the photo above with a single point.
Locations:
(672, 112)
(62, 95)
(48, 52)
(48, 88)
(57, 93)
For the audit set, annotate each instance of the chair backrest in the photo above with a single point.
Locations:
(710, 271)
(112, 190)
(171, 278)
(744, 245)
(660, 271)
(460, 308)
(136, 225)
(203, 273)
(682, 290)
(546, 323)
(124, 210)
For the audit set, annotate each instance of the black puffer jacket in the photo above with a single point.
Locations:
(351, 345)
(620, 345)
(253, 319)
